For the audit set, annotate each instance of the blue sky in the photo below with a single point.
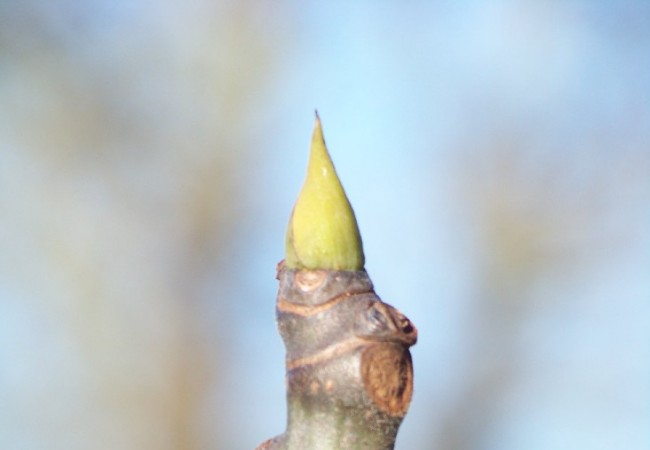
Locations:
(495, 155)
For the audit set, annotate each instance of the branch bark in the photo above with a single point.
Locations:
(348, 367)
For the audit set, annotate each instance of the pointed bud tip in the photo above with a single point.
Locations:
(323, 231)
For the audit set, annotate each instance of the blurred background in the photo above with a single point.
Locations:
(497, 156)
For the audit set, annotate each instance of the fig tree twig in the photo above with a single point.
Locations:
(348, 367)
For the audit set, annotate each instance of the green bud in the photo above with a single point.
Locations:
(323, 232)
